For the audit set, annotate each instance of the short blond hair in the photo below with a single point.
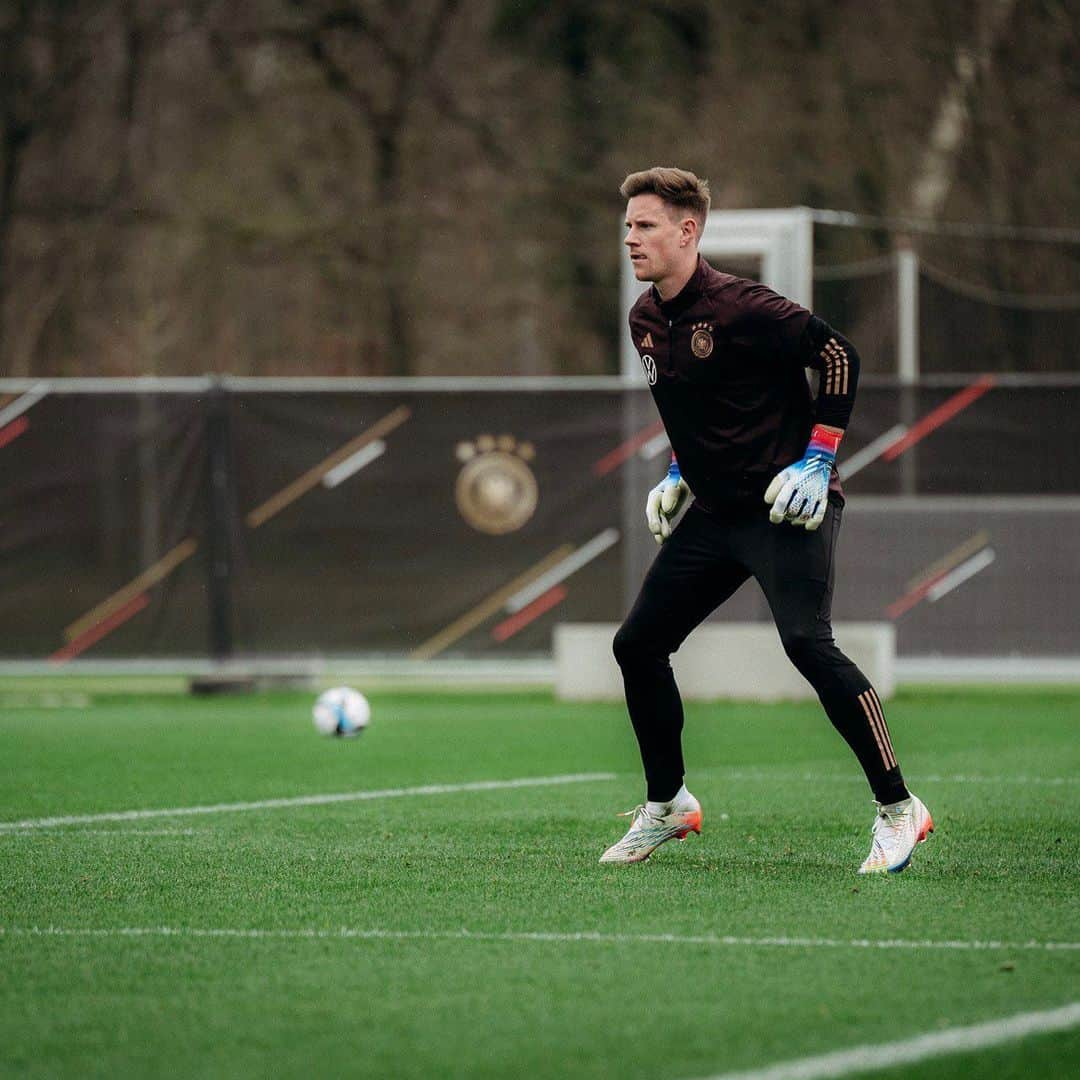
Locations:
(678, 188)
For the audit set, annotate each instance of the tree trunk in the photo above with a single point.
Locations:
(396, 253)
(14, 139)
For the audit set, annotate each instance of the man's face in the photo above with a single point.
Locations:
(656, 238)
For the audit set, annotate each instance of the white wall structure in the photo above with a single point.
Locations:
(719, 660)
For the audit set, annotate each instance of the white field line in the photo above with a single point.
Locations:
(655, 446)
(957, 577)
(61, 831)
(354, 464)
(957, 1040)
(962, 779)
(23, 403)
(306, 800)
(562, 570)
(540, 937)
(930, 778)
(45, 702)
(870, 452)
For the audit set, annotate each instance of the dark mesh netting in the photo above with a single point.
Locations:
(467, 521)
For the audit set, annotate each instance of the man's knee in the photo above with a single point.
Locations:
(632, 647)
(806, 648)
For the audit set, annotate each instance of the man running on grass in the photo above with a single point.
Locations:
(725, 359)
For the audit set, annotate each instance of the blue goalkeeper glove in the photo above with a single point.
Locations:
(665, 501)
(800, 492)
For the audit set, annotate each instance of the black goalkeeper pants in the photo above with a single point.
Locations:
(703, 562)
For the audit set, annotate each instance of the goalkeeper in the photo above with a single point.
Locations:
(754, 456)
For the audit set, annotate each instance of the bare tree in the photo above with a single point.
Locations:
(43, 50)
(597, 47)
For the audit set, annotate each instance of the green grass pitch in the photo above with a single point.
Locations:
(433, 934)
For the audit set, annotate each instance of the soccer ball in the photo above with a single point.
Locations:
(341, 711)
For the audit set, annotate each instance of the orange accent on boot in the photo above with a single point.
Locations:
(693, 823)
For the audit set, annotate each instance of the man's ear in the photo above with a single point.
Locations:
(689, 229)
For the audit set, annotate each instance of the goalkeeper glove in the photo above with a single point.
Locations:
(664, 502)
(799, 493)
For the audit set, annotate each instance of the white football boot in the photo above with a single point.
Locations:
(898, 827)
(649, 829)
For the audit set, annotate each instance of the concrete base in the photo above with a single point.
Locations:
(718, 660)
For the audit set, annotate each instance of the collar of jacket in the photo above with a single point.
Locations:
(686, 297)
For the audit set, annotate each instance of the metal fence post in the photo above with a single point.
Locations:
(218, 523)
(907, 355)
(907, 313)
